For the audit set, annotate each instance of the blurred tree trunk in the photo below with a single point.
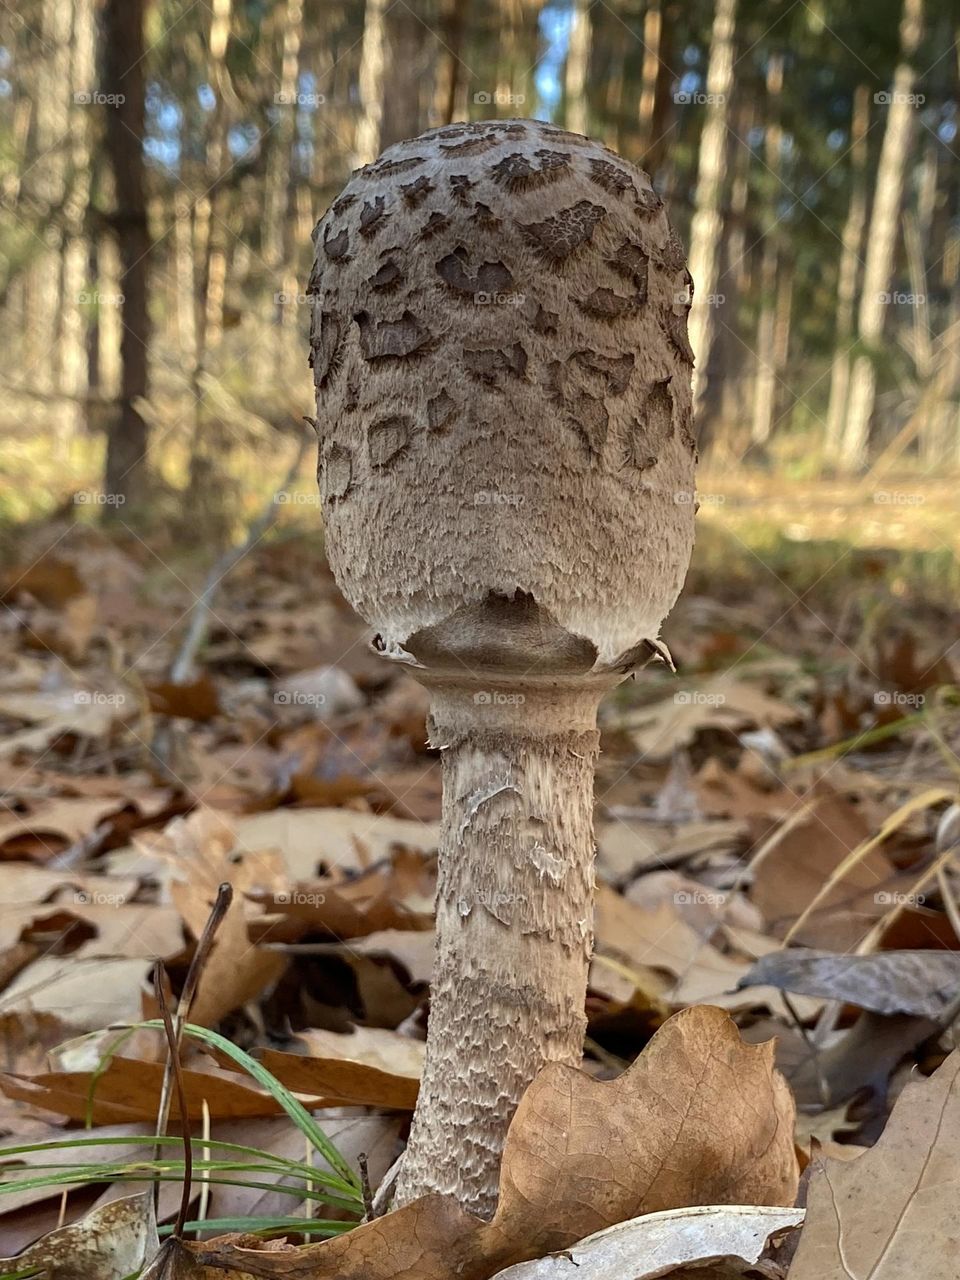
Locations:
(656, 84)
(454, 17)
(934, 443)
(211, 253)
(372, 59)
(124, 54)
(707, 226)
(738, 252)
(783, 317)
(48, 185)
(77, 305)
(511, 62)
(276, 180)
(109, 319)
(882, 239)
(185, 264)
(734, 364)
(280, 194)
(767, 376)
(408, 62)
(210, 206)
(851, 244)
(578, 65)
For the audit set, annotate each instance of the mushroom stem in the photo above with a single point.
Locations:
(514, 918)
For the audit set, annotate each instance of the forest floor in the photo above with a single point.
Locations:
(791, 786)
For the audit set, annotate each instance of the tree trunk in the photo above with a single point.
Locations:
(578, 65)
(124, 75)
(372, 59)
(74, 364)
(453, 21)
(404, 72)
(882, 239)
(48, 185)
(109, 321)
(707, 224)
(767, 376)
(211, 254)
(851, 243)
(731, 356)
(186, 310)
(276, 190)
(515, 880)
(656, 84)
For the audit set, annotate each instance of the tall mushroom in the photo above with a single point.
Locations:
(506, 467)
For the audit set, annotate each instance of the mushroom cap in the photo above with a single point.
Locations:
(502, 369)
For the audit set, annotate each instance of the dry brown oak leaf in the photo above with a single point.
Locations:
(894, 1212)
(699, 1118)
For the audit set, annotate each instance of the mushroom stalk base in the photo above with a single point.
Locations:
(514, 921)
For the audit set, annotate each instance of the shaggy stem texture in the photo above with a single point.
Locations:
(514, 923)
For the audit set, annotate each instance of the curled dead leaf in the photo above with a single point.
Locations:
(110, 1243)
(921, 983)
(659, 1242)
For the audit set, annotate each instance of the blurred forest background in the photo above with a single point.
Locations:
(164, 163)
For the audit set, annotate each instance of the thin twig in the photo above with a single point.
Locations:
(219, 910)
(173, 1060)
(365, 1187)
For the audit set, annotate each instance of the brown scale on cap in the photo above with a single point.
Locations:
(507, 468)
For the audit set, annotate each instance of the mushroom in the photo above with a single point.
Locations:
(506, 467)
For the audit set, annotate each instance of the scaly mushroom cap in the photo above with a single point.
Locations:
(500, 352)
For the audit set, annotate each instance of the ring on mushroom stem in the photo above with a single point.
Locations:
(503, 378)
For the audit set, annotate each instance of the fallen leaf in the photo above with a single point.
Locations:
(111, 1243)
(703, 906)
(922, 983)
(798, 865)
(626, 847)
(720, 702)
(425, 1240)
(53, 827)
(656, 1244)
(414, 951)
(892, 1212)
(58, 713)
(861, 1057)
(198, 700)
(49, 580)
(739, 794)
(314, 841)
(97, 926)
(201, 847)
(372, 1067)
(656, 937)
(311, 842)
(349, 909)
(25, 883)
(84, 995)
(700, 1117)
(319, 692)
(129, 1091)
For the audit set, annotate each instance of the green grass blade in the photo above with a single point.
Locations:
(294, 1109)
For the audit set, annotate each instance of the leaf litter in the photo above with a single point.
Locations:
(759, 849)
